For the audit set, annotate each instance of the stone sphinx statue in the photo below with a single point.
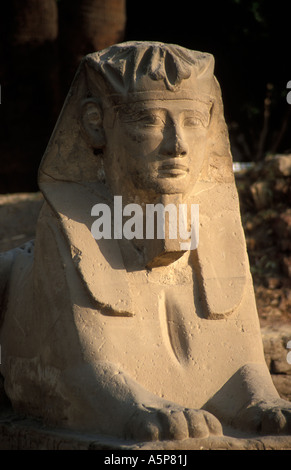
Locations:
(137, 338)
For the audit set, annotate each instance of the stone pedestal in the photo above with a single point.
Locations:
(25, 434)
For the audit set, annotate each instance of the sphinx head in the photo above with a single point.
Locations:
(148, 114)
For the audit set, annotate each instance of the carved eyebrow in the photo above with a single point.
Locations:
(130, 114)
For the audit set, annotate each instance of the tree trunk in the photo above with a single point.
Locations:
(29, 90)
(88, 26)
(34, 21)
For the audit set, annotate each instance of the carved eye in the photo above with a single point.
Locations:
(143, 119)
(192, 121)
(149, 120)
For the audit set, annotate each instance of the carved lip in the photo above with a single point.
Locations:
(172, 169)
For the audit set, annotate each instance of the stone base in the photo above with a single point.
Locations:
(26, 434)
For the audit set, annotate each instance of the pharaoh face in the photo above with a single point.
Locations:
(157, 145)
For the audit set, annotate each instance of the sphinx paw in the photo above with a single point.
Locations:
(171, 423)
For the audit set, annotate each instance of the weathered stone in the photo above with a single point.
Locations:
(18, 215)
(283, 384)
(262, 194)
(95, 341)
(273, 283)
(287, 266)
(275, 340)
(20, 434)
(283, 165)
(283, 224)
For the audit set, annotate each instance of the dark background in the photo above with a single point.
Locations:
(42, 41)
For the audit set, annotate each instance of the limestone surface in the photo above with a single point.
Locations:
(138, 338)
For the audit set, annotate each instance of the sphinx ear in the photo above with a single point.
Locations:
(91, 119)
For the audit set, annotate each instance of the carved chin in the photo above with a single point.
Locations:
(162, 183)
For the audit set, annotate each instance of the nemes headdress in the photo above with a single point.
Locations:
(147, 70)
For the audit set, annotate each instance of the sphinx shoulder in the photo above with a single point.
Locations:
(8, 259)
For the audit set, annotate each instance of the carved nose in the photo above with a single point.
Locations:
(173, 144)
